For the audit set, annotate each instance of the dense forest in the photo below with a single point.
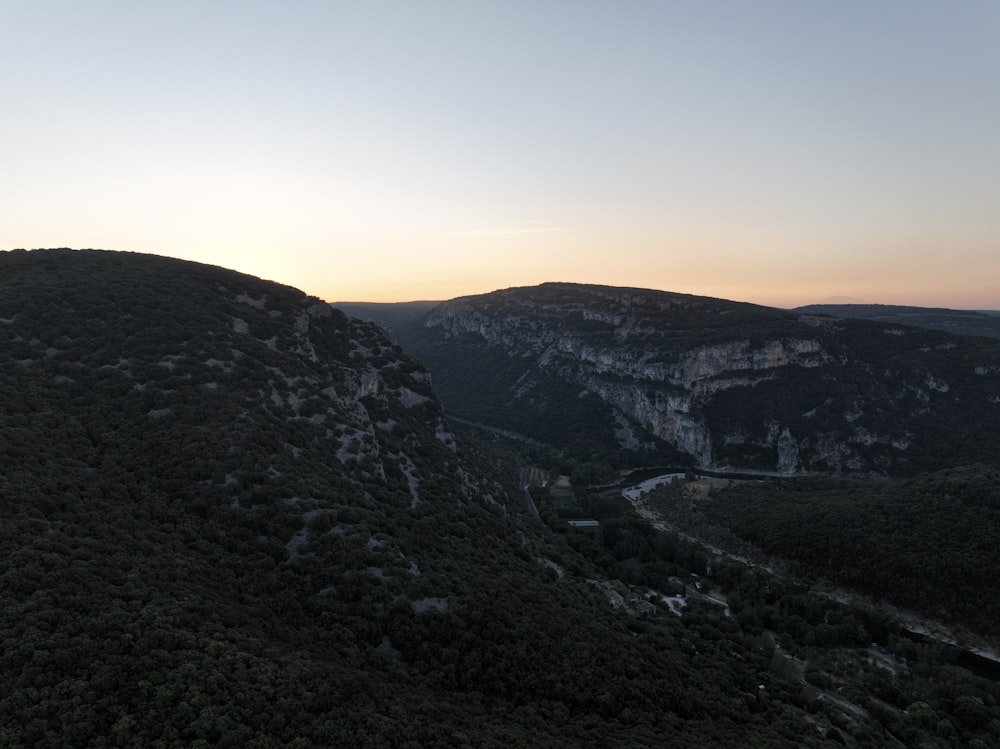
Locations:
(927, 543)
(823, 650)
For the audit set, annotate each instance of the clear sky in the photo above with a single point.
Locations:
(774, 151)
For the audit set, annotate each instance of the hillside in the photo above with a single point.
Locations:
(634, 376)
(926, 544)
(962, 322)
(233, 516)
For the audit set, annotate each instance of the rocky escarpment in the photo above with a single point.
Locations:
(730, 385)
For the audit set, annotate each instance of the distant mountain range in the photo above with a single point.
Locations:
(400, 315)
(640, 376)
(963, 322)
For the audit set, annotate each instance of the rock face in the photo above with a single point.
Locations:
(729, 385)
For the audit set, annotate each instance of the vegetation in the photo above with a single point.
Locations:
(928, 543)
(475, 380)
(854, 669)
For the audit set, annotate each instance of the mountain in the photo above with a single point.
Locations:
(634, 376)
(230, 515)
(962, 322)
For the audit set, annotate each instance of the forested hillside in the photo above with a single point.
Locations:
(929, 544)
(231, 516)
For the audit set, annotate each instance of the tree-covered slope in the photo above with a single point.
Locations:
(232, 516)
(927, 544)
(634, 375)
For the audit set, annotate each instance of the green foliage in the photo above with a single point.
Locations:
(928, 543)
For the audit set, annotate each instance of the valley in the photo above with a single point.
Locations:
(972, 645)
(827, 666)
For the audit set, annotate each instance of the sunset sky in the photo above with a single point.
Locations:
(777, 151)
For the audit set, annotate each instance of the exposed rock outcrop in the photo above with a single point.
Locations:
(731, 385)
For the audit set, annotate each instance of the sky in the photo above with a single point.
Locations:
(782, 152)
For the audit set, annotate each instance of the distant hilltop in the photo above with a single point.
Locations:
(394, 316)
(963, 322)
(639, 376)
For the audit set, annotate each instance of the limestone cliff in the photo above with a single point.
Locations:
(730, 385)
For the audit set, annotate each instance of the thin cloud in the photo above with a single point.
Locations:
(499, 232)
